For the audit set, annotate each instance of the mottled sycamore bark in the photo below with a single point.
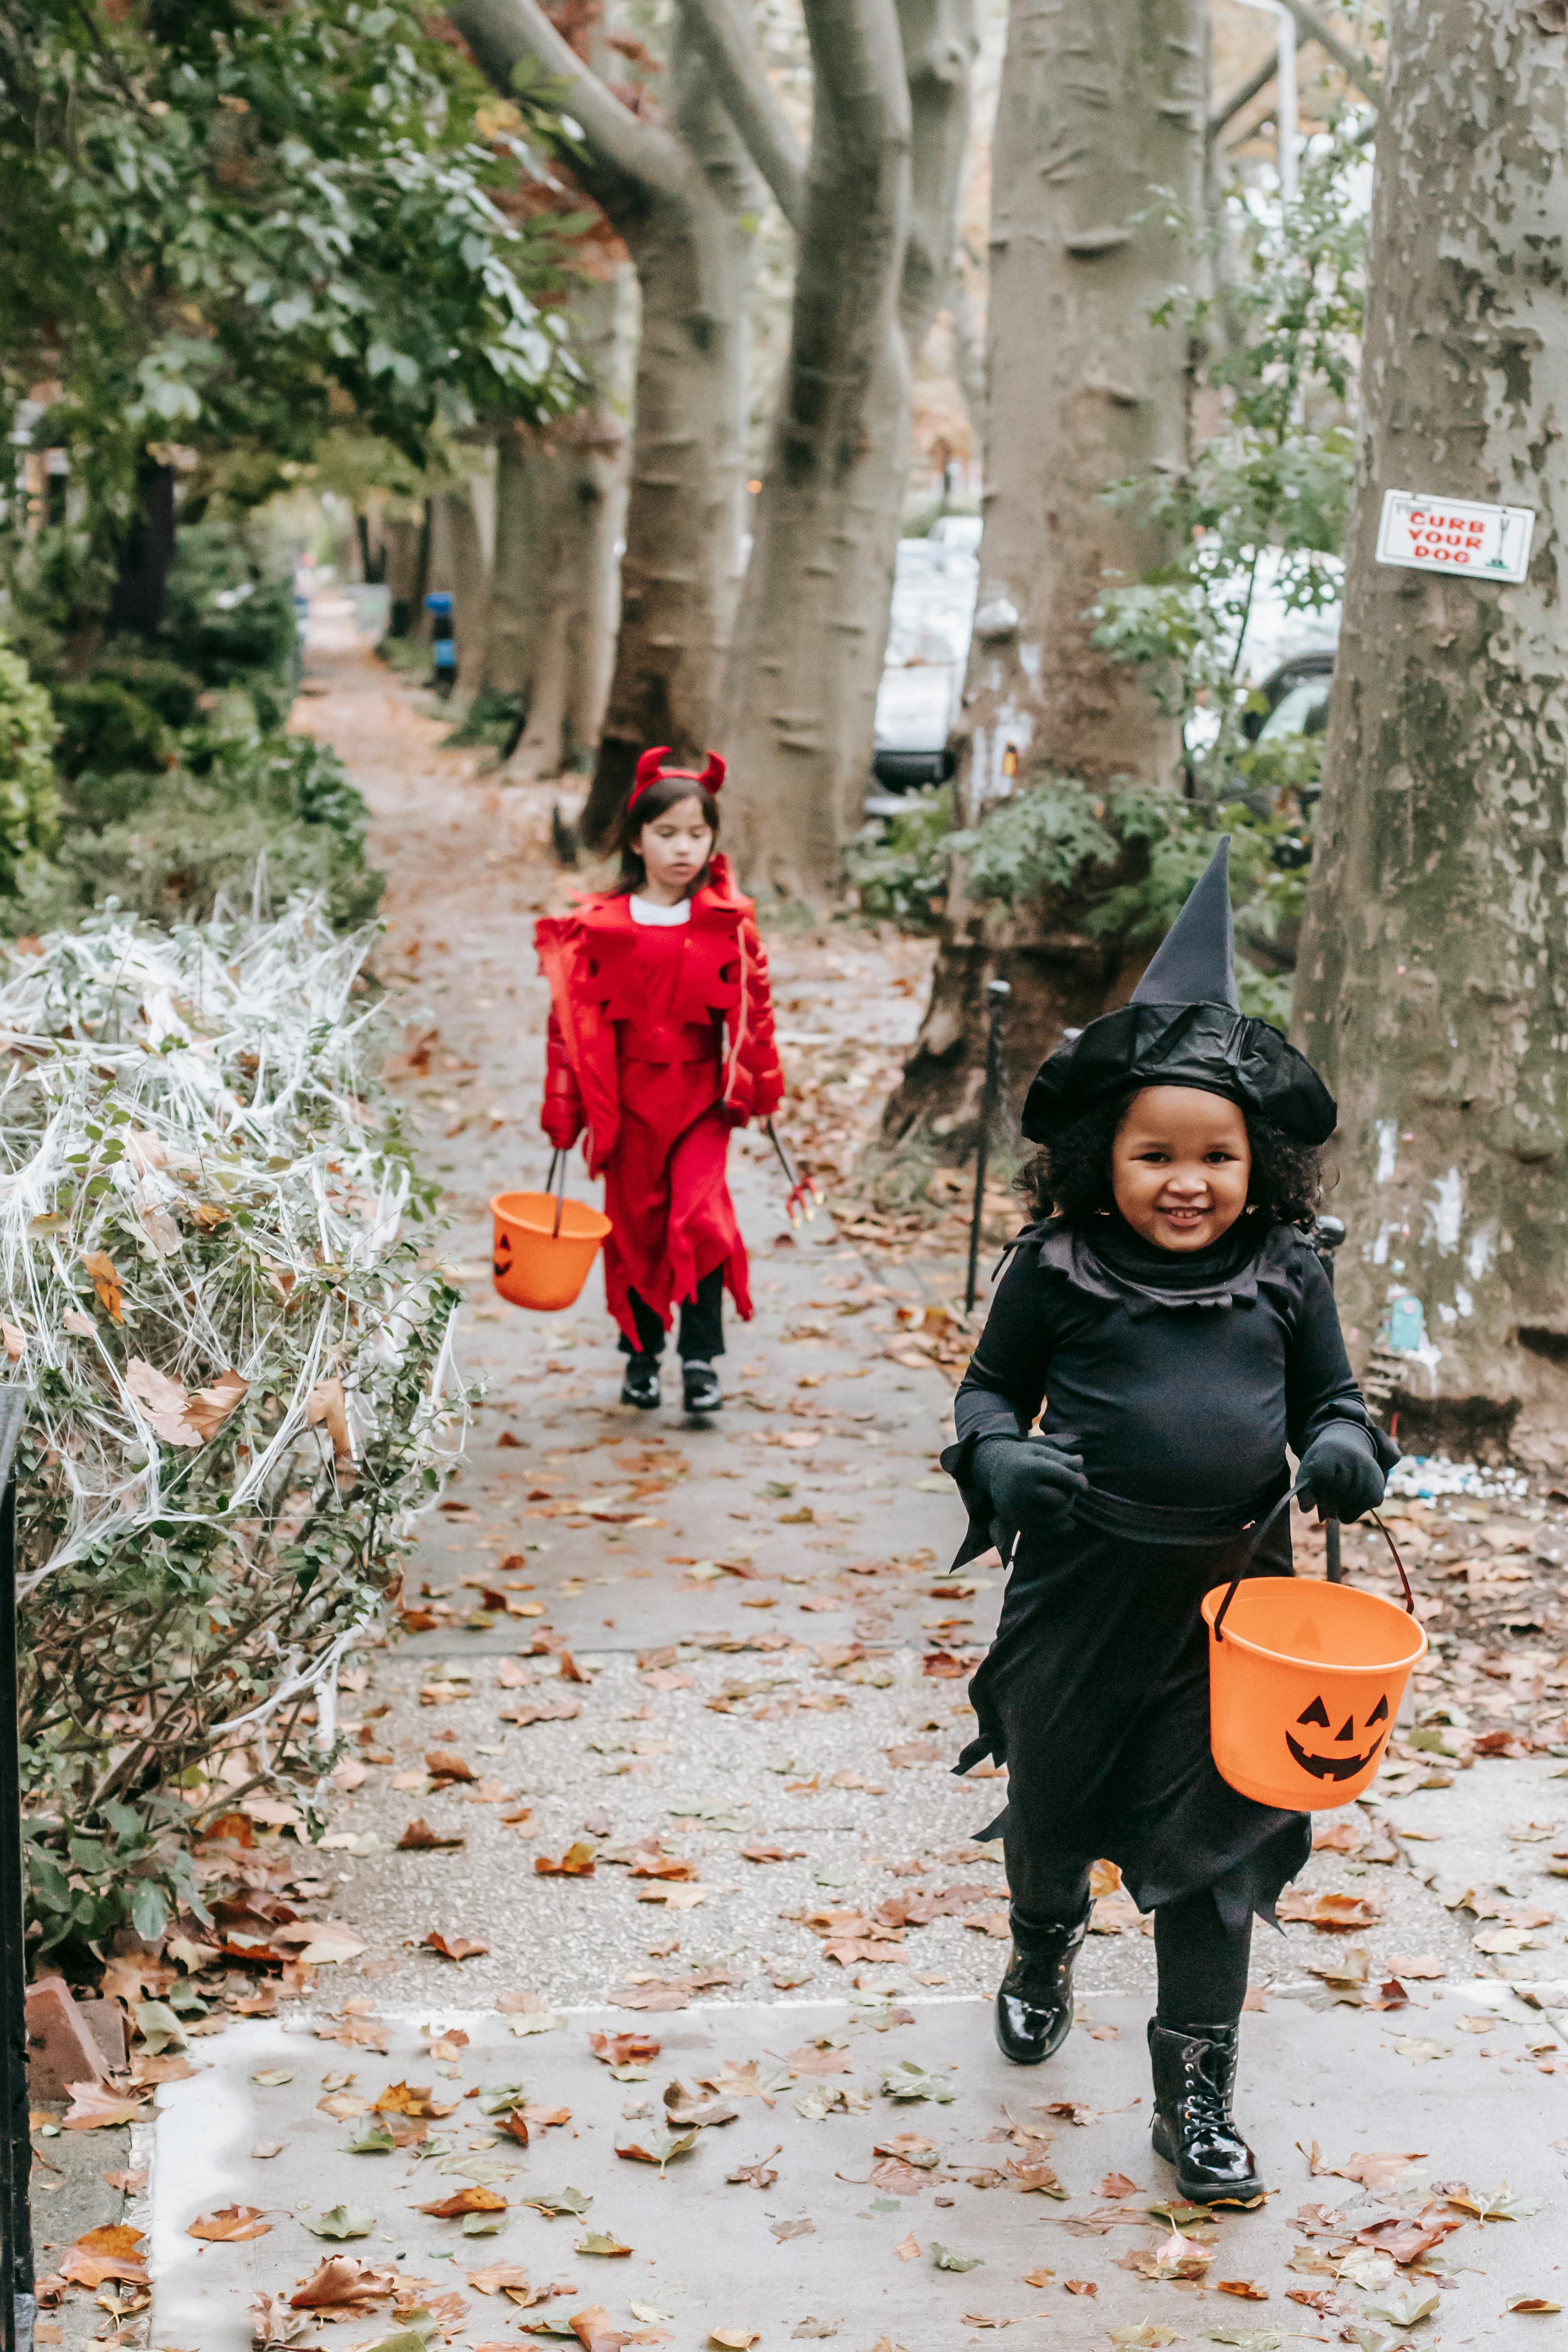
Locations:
(684, 202)
(1432, 986)
(877, 221)
(1103, 103)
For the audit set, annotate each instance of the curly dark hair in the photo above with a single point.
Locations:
(1072, 1177)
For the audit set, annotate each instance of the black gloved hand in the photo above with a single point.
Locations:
(1340, 1473)
(1028, 1479)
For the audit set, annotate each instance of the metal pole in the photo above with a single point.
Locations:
(18, 2307)
(999, 995)
(1326, 1238)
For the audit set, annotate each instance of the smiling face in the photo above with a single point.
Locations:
(1180, 1166)
(674, 846)
(1344, 1758)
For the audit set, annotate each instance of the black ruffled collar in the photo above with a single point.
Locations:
(1105, 1258)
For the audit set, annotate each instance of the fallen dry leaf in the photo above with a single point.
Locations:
(476, 2199)
(341, 2282)
(409, 2099)
(579, 1860)
(230, 2224)
(327, 1404)
(1330, 1912)
(95, 2107)
(452, 1948)
(420, 1838)
(106, 1281)
(1382, 2169)
(760, 2175)
(908, 2249)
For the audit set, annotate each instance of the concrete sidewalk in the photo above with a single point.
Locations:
(844, 2243)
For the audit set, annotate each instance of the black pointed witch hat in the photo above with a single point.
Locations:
(1185, 1027)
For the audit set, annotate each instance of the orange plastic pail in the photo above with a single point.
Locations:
(544, 1247)
(1304, 1683)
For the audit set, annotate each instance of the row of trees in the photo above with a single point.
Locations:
(783, 668)
(1431, 980)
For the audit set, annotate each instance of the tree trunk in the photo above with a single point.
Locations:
(685, 207)
(681, 570)
(800, 689)
(561, 504)
(1102, 103)
(1432, 987)
(147, 553)
(403, 540)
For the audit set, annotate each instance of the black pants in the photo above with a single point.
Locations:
(701, 1333)
(1200, 1957)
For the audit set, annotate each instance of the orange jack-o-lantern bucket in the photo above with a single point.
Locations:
(1304, 1683)
(544, 1245)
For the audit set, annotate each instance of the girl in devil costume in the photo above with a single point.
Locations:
(1170, 1305)
(660, 1041)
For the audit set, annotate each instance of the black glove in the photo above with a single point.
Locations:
(1340, 1473)
(1028, 1479)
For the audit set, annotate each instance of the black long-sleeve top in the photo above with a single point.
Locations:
(1180, 1383)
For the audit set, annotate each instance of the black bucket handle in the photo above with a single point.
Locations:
(1255, 1536)
(557, 1184)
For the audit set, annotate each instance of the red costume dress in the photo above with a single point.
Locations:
(660, 1041)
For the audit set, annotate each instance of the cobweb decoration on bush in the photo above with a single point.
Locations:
(202, 1221)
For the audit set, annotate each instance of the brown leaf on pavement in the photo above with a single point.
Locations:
(540, 1711)
(1244, 2288)
(110, 2252)
(623, 2049)
(476, 2200)
(646, 1864)
(448, 1764)
(409, 2099)
(760, 2175)
(230, 2224)
(342, 2281)
(420, 1838)
(1424, 1965)
(452, 1948)
(596, 2331)
(1330, 1912)
(579, 1860)
(908, 2249)
(769, 1850)
(95, 2107)
(274, 2328)
(502, 2278)
(357, 2028)
(1382, 2169)
(823, 2057)
(1080, 2286)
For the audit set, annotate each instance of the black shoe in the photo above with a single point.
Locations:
(1034, 2002)
(640, 1385)
(699, 1386)
(1195, 2076)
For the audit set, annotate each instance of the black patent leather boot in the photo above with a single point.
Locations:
(1195, 2076)
(1034, 2001)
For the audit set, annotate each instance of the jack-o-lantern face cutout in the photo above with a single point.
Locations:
(502, 1260)
(1343, 1767)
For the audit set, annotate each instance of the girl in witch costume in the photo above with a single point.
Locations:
(660, 1041)
(1170, 1306)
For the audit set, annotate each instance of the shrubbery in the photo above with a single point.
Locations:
(176, 783)
(210, 1233)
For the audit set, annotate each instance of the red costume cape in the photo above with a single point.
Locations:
(659, 1077)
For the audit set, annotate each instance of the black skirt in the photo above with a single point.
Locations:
(1095, 1696)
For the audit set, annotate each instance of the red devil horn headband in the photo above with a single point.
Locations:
(649, 771)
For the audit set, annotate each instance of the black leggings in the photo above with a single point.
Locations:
(1201, 1960)
(701, 1335)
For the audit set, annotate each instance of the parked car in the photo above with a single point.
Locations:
(927, 652)
(1297, 694)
